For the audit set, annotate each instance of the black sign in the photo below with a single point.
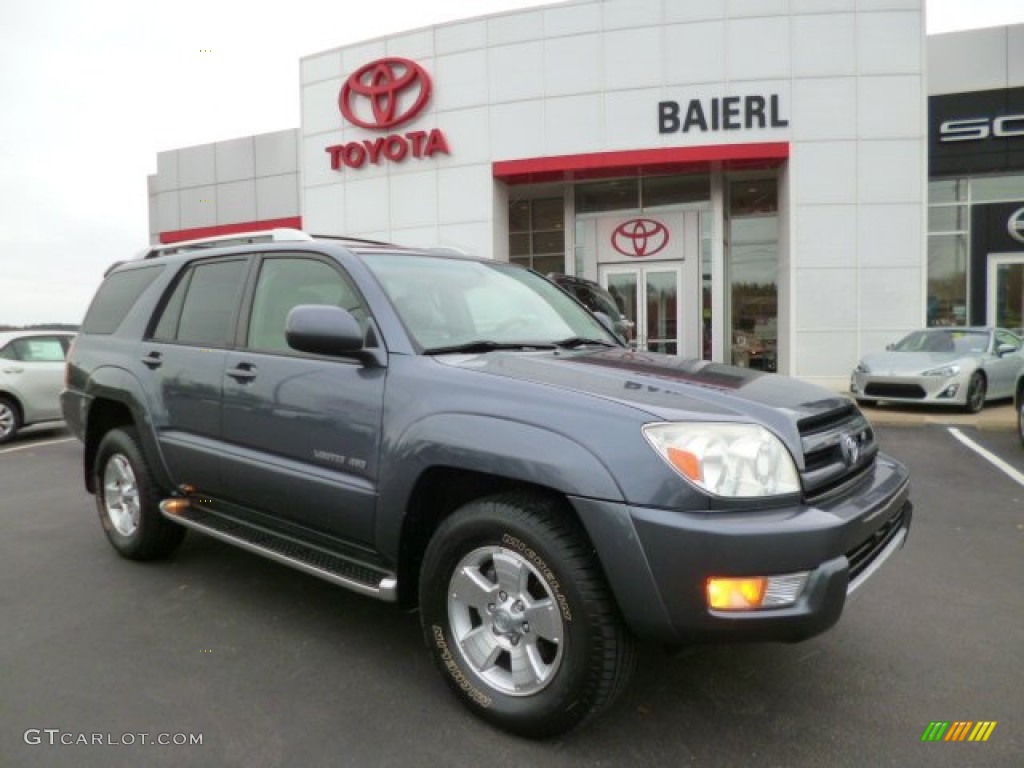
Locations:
(979, 132)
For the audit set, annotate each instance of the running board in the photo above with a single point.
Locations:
(311, 560)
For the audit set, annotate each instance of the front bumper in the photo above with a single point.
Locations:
(931, 390)
(658, 561)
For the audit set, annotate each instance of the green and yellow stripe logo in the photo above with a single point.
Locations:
(958, 730)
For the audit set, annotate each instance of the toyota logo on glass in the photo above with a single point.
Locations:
(381, 96)
(638, 238)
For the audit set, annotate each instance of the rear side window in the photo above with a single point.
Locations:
(116, 297)
(38, 349)
(203, 306)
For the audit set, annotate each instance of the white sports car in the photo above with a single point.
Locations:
(31, 377)
(964, 367)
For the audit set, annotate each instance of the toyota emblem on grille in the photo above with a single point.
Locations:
(640, 237)
(849, 446)
(384, 93)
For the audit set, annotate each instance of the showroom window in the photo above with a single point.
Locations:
(536, 233)
(640, 194)
(752, 262)
(948, 222)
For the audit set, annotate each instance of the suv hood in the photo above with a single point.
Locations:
(665, 386)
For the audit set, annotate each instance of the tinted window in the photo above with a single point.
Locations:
(39, 349)
(210, 304)
(116, 297)
(288, 282)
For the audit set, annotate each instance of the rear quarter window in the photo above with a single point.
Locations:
(115, 298)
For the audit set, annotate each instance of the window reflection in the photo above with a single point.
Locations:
(753, 263)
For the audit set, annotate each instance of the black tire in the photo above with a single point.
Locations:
(10, 419)
(975, 393)
(1020, 417)
(557, 584)
(127, 500)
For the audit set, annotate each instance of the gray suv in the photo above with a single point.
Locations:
(462, 436)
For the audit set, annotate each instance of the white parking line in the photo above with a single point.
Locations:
(986, 454)
(37, 445)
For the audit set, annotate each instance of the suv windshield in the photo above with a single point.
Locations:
(446, 303)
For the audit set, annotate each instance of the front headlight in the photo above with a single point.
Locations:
(945, 371)
(733, 460)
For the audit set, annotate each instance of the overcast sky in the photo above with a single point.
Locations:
(91, 90)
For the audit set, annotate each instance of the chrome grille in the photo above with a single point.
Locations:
(838, 446)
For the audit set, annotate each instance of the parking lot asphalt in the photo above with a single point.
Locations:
(995, 416)
(275, 668)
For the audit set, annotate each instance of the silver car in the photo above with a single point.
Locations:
(31, 378)
(964, 367)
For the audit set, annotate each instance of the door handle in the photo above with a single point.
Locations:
(14, 370)
(153, 360)
(243, 372)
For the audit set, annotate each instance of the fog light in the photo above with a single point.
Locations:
(950, 391)
(755, 592)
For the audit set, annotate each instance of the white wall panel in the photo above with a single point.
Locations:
(825, 172)
(890, 171)
(236, 202)
(515, 27)
(471, 237)
(821, 6)
(316, 162)
(1015, 56)
(277, 197)
(890, 107)
(516, 72)
(758, 48)
(890, 298)
(889, 43)
(741, 8)
(168, 212)
(460, 195)
(276, 152)
(890, 236)
(888, 5)
(572, 125)
(469, 139)
(323, 210)
(196, 166)
(320, 111)
(630, 118)
(572, 19)
(695, 53)
(973, 60)
(517, 130)
(824, 45)
(359, 55)
(320, 67)
(828, 356)
(414, 199)
(824, 300)
(684, 10)
(826, 236)
(460, 80)
(416, 45)
(632, 58)
(449, 38)
(366, 205)
(824, 108)
(635, 13)
(572, 65)
(167, 171)
(235, 159)
(198, 206)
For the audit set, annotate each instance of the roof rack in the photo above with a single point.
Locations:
(347, 238)
(279, 235)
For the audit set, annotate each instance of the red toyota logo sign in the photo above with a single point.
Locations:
(384, 93)
(637, 238)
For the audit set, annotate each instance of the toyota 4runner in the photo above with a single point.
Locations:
(461, 435)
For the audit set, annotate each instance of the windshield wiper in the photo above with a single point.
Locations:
(482, 345)
(578, 341)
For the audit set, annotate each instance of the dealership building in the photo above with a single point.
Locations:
(780, 184)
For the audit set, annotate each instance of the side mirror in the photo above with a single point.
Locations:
(324, 330)
(607, 323)
(1005, 349)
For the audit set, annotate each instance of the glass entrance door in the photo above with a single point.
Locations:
(1006, 291)
(649, 296)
